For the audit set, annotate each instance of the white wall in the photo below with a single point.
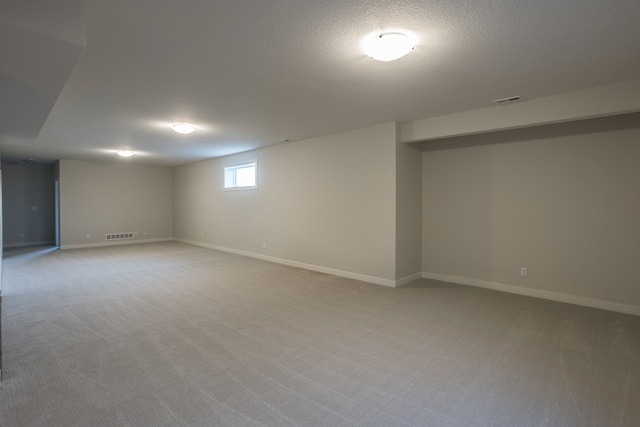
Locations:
(327, 202)
(561, 200)
(99, 198)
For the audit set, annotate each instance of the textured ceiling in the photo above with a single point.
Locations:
(40, 44)
(253, 73)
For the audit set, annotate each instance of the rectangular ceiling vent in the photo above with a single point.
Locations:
(118, 236)
(508, 100)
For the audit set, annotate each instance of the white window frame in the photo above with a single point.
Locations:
(233, 168)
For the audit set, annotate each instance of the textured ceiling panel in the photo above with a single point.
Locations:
(252, 73)
(40, 45)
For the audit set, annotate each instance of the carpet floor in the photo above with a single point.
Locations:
(170, 334)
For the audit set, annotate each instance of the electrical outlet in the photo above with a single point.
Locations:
(144, 232)
(88, 236)
(201, 234)
(21, 235)
(264, 245)
(523, 271)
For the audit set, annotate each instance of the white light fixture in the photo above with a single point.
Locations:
(388, 46)
(183, 128)
(125, 153)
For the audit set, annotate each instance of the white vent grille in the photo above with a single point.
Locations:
(508, 100)
(118, 236)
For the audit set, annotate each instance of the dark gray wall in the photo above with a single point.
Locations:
(28, 207)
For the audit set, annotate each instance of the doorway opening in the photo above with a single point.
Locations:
(30, 203)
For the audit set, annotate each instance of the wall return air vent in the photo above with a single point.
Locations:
(118, 236)
(508, 100)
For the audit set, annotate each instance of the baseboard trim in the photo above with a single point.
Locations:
(406, 280)
(118, 243)
(25, 244)
(291, 263)
(537, 293)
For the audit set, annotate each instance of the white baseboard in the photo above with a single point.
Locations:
(537, 293)
(24, 244)
(406, 280)
(291, 263)
(116, 243)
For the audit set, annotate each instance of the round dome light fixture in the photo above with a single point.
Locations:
(183, 128)
(125, 153)
(388, 46)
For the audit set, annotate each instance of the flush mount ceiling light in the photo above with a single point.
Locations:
(388, 46)
(183, 128)
(125, 153)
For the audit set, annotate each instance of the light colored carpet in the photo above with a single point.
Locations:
(175, 335)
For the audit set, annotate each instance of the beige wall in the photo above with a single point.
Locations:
(28, 186)
(408, 211)
(328, 202)
(1, 235)
(561, 200)
(99, 198)
(602, 101)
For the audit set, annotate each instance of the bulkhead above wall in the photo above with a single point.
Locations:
(44, 35)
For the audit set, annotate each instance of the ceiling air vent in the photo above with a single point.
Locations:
(118, 236)
(508, 100)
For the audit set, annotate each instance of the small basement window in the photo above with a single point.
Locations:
(241, 176)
